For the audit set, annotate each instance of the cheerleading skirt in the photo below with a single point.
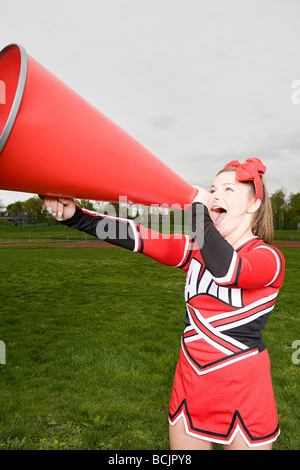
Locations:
(236, 398)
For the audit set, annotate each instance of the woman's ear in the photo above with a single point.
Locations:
(254, 206)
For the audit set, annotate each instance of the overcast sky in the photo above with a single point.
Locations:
(198, 83)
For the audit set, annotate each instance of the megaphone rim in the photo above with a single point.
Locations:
(18, 95)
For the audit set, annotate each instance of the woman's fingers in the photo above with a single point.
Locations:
(50, 204)
(58, 207)
(53, 206)
(65, 200)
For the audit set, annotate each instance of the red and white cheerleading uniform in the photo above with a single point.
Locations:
(222, 382)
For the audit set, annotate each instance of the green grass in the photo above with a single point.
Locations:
(283, 328)
(88, 362)
(289, 235)
(55, 232)
(92, 339)
(40, 234)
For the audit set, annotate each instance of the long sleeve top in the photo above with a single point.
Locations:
(229, 292)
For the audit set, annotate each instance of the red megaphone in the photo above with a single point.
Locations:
(54, 142)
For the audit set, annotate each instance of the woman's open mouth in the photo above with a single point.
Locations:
(218, 214)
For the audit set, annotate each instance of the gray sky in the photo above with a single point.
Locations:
(198, 83)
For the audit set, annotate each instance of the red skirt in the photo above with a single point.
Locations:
(236, 398)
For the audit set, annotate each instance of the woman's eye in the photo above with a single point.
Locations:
(228, 189)
(212, 191)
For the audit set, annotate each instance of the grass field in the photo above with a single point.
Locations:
(92, 339)
(55, 232)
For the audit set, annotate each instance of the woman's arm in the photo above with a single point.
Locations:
(257, 268)
(117, 231)
(171, 250)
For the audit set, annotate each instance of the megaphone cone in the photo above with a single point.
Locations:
(54, 142)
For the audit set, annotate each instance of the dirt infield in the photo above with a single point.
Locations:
(276, 243)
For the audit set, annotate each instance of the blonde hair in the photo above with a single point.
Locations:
(262, 222)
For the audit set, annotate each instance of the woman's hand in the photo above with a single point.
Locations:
(202, 196)
(61, 208)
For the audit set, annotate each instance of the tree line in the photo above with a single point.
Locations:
(286, 210)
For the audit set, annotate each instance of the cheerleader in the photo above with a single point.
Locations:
(222, 391)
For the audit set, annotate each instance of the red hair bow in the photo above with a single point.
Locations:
(250, 170)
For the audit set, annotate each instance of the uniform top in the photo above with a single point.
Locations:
(229, 292)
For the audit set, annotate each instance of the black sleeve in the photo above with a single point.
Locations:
(216, 252)
(112, 230)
